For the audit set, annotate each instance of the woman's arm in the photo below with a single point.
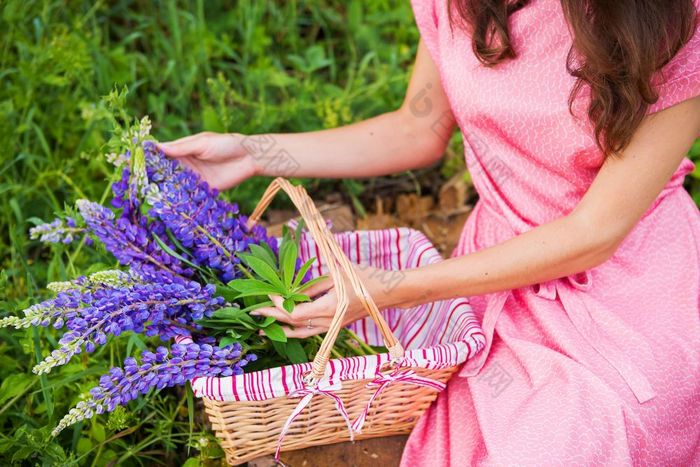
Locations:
(411, 137)
(622, 191)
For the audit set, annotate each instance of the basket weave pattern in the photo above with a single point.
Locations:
(250, 429)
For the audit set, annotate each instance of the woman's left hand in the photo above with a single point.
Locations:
(311, 318)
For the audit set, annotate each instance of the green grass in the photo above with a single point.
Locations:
(247, 66)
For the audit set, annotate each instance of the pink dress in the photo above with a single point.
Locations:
(599, 368)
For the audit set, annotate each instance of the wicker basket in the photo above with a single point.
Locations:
(315, 407)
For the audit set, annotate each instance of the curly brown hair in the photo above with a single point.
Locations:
(618, 47)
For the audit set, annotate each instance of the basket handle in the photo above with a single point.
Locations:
(336, 260)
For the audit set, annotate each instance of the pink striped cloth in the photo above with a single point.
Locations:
(436, 335)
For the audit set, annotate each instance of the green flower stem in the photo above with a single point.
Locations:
(362, 344)
(334, 352)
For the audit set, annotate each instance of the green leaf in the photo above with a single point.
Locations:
(14, 385)
(262, 269)
(275, 332)
(250, 308)
(230, 312)
(227, 340)
(134, 340)
(248, 322)
(227, 293)
(295, 351)
(266, 322)
(265, 253)
(280, 348)
(175, 241)
(98, 432)
(313, 281)
(302, 272)
(248, 287)
(288, 259)
(289, 304)
(257, 295)
(173, 253)
(192, 462)
(233, 334)
(299, 298)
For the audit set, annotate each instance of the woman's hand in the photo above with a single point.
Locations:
(315, 317)
(219, 158)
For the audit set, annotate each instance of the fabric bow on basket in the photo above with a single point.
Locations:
(306, 395)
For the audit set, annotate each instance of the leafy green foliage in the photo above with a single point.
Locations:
(266, 274)
(191, 65)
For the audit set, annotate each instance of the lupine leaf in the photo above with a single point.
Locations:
(266, 303)
(266, 322)
(173, 253)
(313, 281)
(227, 340)
(253, 286)
(297, 297)
(275, 332)
(265, 254)
(302, 272)
(229, 294)
(295, 351)
(228, 313)
(288, 304)
(288, 260)
(262, 269)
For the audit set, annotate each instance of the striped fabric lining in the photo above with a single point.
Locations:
(435, 335)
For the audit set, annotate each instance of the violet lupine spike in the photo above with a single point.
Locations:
(57, 231)
(56, 311)
(153, 309)
(71, 298)
(132, 244)
(212, 229)
(159, 369)
(123, 196)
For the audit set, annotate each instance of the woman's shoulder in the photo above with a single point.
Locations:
(679, 79)
(426, 16)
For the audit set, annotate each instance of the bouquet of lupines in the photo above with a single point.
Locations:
(189, 266)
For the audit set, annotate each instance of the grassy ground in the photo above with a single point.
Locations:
(246, 66)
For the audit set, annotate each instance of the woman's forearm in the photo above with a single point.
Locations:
(557, 249)
(386, 144)
(623, 190)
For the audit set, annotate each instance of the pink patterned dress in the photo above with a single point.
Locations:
(599, 368)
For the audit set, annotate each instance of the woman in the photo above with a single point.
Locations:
(583, 252)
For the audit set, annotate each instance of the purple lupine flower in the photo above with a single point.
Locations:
(212, 229)
(56, 231)
(159, 369)
(149, 308)
(70, 299)
(56, 311)
(124, 197)
(132, 244)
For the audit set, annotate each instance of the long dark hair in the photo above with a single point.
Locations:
(618, 47)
